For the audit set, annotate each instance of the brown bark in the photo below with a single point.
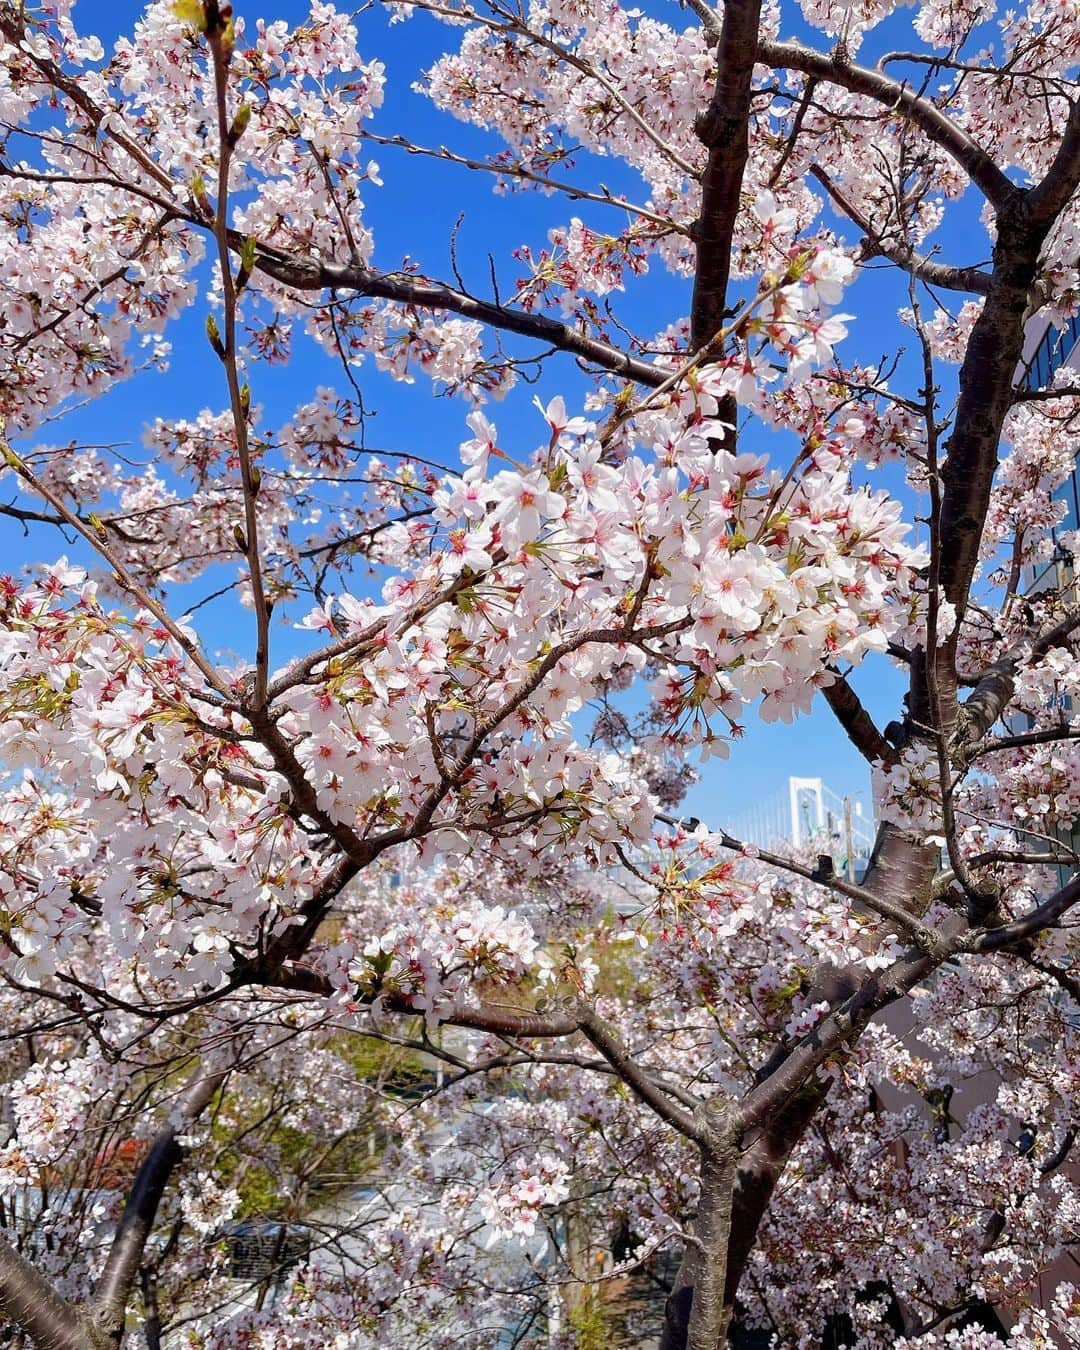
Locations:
(109, 1304)
(943, 276)
(783, 1104)
(986, 379)
(309, 274)
(724, 129)
(698, 1312)
(857, 722)
(31, 1302)
(898, 99)
(710, 1313)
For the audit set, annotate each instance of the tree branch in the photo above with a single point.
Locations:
(1048, 736)
(1047, 199)
(597, 1031)
(997, 684)
(1068, 983)
(928, 939)
(567, 1019)
(899, 866)
(31, 1302)
(898, 98)
(710, 1311)
(877, 991)
(1031, 924)
(996, 855)
(309, 274)
(942, 275)
(986, 380)
(724, 129)
(109, 1302)
(857, 722)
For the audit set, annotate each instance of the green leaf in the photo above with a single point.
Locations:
(192, 12)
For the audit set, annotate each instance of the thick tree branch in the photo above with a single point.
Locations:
(309, 274)
(899, 866)
(710, 19)
(724, 129)
(857, 722)
(1048, 736)
(566, 1019)
(1045, 395)
(1061, 977)
(877, 991)
(761, 1165)
(1060, 858)
(25, 517)
(278, 964)
(597, 1031)
(1036, 921)
(897, 98)
(986, 376)
(986, 380)
(1050, 197)
(867, 896)
(1062, 1152)
(109, 1303)
(710, 1312)
(31, 1302)
(945, 276)
(541, 1025)
(997, 684)
(519, 1057)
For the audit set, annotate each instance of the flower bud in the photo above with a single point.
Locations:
(240, 123)
(214, 334)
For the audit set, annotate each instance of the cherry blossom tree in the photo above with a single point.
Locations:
(434, 801)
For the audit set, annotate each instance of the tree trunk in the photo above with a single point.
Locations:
(901, 868)
(698, 1311)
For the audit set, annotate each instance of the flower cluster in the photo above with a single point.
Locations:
(513, 1209)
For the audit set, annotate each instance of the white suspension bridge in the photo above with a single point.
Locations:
(809, 815)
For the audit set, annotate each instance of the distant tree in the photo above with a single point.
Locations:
(454, 809)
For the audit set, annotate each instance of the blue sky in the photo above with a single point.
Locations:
(414, 214)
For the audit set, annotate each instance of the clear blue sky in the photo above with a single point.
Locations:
(414, 214)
